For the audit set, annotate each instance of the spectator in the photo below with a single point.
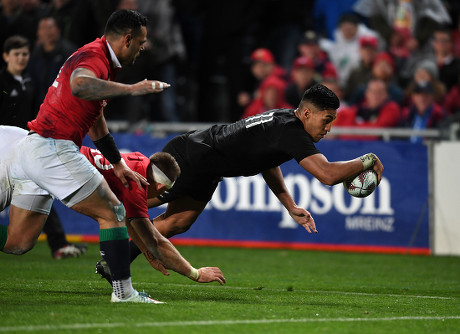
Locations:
(263, 65)
(382, 69)
(302, 78)
(360, 75)
(448, 64)
(17, 90)
(400, 47)
(48, 56)
(309, 47)
(16, 109)
(452, 100)
(344, 51)
(271, 97)
(376, 111)
(427, 71)
(64, 12)
(27, 19)
(423, 112)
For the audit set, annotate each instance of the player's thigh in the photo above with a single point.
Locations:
(23, 229)
(180, 214)
(101, 205)
(56, 166)
(185, 208)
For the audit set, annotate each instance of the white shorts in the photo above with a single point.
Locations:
(24, 194)
(58, 167)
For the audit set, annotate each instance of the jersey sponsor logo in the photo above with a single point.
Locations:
(258, 119)
(97, 156)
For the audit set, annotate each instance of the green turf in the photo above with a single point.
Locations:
(267, 291)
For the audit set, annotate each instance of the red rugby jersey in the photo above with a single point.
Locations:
(134, 199)
(64, 116)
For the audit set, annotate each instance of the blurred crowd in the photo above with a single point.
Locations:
(392, 63)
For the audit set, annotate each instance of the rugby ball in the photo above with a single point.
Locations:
(363, 184)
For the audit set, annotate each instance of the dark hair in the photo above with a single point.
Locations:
(124, 22)
(321, 97)
(50, 17)
(349, 17)
(167, 164)
(15, 42)
(443, 29)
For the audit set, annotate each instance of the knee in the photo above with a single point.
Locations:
(18, 249)
(19, 244)
(114, 216)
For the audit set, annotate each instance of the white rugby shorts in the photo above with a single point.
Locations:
(24, 194)
(57, 166)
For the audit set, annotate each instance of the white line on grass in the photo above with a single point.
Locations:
(216, 323)
(298, 290)
(206, 286)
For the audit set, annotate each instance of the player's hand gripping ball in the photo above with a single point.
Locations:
(362, 185)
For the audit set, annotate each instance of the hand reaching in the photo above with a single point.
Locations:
(210, 274)
(304, 218)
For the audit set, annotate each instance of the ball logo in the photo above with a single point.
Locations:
(362, 185)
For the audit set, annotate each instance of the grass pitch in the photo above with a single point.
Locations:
(267, 291)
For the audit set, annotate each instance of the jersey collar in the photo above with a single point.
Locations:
(113, 57)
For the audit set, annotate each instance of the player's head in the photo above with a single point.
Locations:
(317, 110)
(321, 97)
(16, 54)
(164, 172)
(129, 28)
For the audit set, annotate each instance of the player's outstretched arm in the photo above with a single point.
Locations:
(331, 173)
(156, 247)
(87, 86)
(275, 181)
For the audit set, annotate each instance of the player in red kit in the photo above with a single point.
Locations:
(50, 156)
(161, 171)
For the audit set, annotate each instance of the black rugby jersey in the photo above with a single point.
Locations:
(249, 146)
